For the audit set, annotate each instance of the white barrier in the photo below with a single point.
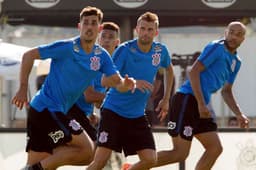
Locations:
(239, 152)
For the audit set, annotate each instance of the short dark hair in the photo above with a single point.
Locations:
(149, 17)
(111, 26)
(89, 10)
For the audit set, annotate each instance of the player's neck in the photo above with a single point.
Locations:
(144, 47)
(87, 46)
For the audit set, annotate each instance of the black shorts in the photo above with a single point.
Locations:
(184, 118)
(76, 113)
(46, 130)
(119, 133)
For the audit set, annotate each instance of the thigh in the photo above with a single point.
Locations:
(183, 116)
(205, 125)
(47, 130)
(136, 136)
(109, 130)
(209, 139)
(76, 113)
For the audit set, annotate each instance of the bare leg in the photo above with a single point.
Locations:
(148, 158)
(213, 149)
(101, 157)
(179, 152)
(77, 152)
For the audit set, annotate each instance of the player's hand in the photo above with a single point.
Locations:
(163, 107)
(143, 86)
(243, 121)
(20, 100)
(130, 83)
(204, 112)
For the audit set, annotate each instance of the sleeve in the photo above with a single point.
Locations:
(53, 50)
(119, 57)
(209, 54)
(108, 68)
(166, 58)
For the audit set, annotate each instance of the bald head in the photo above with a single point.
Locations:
(234, 35)
(238, 25)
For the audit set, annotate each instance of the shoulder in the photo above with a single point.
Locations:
(216, 43)
(58, 44)
(159, 47)
(126, 46)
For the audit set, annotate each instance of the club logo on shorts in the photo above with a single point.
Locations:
(74, 125)
(171, 125)
(95, 63)
(187, 131)
(103, 138)
(156, 59)
(56, 136)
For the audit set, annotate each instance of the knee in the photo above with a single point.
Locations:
(181, 154)
(216, 151)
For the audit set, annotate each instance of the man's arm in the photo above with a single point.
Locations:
(164, 103)
(125, 84)
(20, 99)
(194, 77)
(93, 96)
(229, 99)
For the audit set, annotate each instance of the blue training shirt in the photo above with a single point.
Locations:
(71, 72)
(86, 107)
(129, 59)
(220, 67)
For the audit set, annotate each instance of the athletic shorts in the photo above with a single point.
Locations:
(46, 130)
(184, 119)
(79, 115)
(123, 134)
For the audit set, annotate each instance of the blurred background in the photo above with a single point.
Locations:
(185, 27)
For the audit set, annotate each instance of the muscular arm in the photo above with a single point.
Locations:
(229, 99)
(194, 77)
(20, 99)
(164, 103)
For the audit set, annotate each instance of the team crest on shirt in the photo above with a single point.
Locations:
(56, 136)
(233, 65)
(95, 63)
(171, 125)
(103, 138)
(74, 125)
(187, 131)
(156, 59)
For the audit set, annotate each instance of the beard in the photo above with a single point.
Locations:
(88, 37)
(144, 41)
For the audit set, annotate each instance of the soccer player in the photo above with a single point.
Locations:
(83, 109)
(191, 113)
(54, 139)
(123, 125)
